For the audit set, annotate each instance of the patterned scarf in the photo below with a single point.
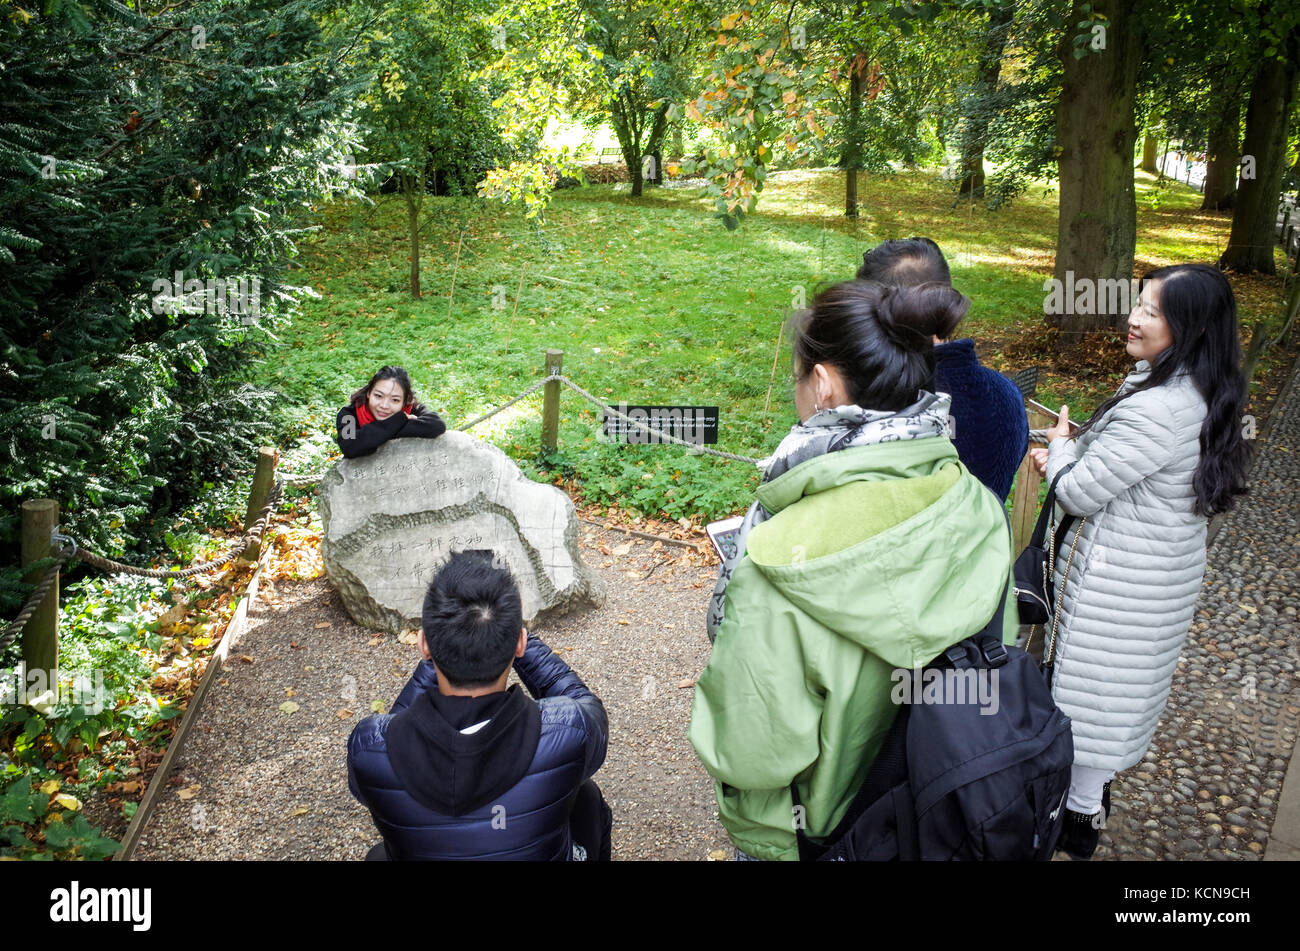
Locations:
(830, 430)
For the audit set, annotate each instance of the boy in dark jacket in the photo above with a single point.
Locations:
(464, 768)
(990, 428)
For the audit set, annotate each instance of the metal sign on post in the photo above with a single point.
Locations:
(1026, 381)
(693, 424)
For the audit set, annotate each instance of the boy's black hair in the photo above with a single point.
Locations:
(472, 618)
(905, 262)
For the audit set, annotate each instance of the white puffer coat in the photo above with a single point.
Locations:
(1137, 571)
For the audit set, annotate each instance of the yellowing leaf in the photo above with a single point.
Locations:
(377, 706)
(300, 811)
(189, 792)
(201, 642)
(717, 855)
(71, 803)
(288, 707)
(50, 787)
(290, 692)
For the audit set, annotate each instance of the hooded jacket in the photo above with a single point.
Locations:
(442, 784)
(875, 558)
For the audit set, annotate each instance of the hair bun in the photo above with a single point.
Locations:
(912, 316)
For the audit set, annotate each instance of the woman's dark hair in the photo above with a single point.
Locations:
(471, 619)
(905, 262)
(1198, 305)
(879, 338)
(362, 396)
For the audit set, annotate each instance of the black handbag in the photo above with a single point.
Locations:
(1035, 567)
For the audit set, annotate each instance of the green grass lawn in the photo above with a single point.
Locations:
(652, 301)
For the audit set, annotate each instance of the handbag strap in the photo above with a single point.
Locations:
(1039, 537)
(1049, 653)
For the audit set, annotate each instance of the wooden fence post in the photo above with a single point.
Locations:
(263, 480)
(551, 406)
(41, 633)
(1024, 505)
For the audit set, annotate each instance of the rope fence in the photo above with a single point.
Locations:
(273, 489)
(71, 550)
(305, 480)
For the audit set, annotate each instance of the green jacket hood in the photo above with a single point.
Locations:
(921, 563)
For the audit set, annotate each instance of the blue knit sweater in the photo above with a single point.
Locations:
(992, 431)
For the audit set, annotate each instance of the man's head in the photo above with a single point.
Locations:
(905, 262)
(472, 621)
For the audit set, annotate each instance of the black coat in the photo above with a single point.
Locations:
(363, 440)
(504, 791)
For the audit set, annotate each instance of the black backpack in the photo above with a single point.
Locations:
(950, 783)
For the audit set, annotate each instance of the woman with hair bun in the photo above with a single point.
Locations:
(1144, 474)
(384, 409)
(870, 548)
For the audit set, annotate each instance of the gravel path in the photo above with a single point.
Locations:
(1208, 787)
(258, 783)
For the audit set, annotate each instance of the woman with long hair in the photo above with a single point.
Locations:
(870, 549)
(384, 409)
(1141, 479)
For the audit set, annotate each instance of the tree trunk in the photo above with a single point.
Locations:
(413, 194)
(1223, 159)
(976, 127)
(851, 152)
(1272, 96)
(632, 158)
(1149, 153)
(1096, 135)
(654, 146)
(627, 128)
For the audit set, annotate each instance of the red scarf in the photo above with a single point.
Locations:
(365, 417)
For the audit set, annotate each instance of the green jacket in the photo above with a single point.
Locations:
(875, 558)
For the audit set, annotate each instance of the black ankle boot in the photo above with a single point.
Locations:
(1080, 834)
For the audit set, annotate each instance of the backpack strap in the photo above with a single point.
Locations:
(909, 843)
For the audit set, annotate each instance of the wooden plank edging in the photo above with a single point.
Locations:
(234, 630)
